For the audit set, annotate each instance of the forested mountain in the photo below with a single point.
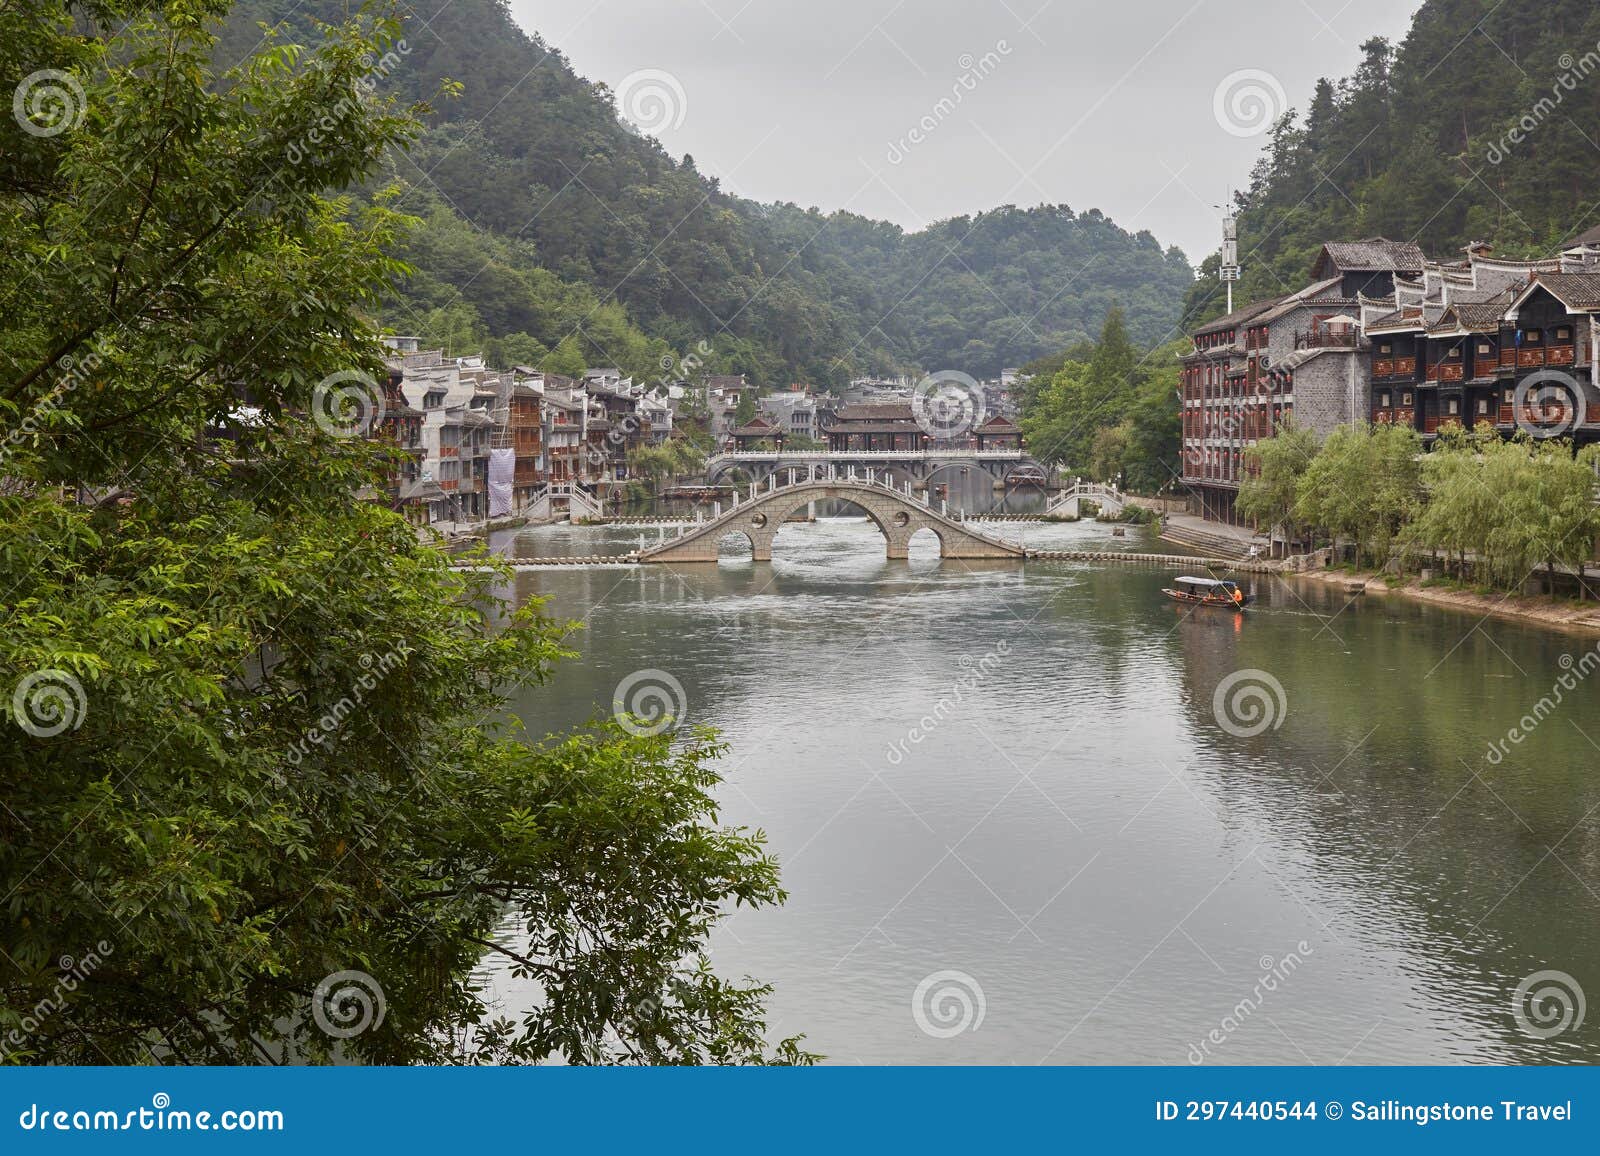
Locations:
(546, 213)
(1483, 125)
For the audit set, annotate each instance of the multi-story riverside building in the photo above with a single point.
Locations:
(1385, 335)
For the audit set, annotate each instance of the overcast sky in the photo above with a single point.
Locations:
(1109, 105)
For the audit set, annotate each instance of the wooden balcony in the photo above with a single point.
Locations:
(1508, 358)
(1530, 358)
(1326, 339)
(1452, 371)
(1550, 413)
(1405, 417)
(1430, 423)
(1560, 355)
(1395, 367)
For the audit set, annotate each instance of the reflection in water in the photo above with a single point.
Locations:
(1073, 830)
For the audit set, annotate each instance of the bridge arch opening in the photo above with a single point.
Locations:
(736, 543)
(926, 543)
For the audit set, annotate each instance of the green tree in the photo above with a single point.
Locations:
(1271, 489)
(1460, 509)
(255, 734)
(1363, 486)
(566, 358)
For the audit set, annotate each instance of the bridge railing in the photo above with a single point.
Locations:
(962, 454)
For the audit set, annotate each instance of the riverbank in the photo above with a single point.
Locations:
(1562, 615)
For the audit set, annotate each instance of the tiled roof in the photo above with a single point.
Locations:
(1589, 237)
(877, 411)
(1238, 317)
(1374, 255)
(1576, 290)
(1474, 317)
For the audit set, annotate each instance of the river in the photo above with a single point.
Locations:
(1018, 826)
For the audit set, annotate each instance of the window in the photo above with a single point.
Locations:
(1564, 334)
(1384, 400)
(1405, 399)
(1510, 396)
(1453, 407)
(1485, 349)
(1385, 349)
(1483, 405)
(1533, 337)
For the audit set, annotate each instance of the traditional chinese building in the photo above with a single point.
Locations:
(758, 433)
(875, 427)
(1385, 335)
(998, 433)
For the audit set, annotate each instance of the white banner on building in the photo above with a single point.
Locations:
(502, 471)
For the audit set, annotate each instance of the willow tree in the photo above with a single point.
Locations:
(1269, 492)
(1364, 485)
(260, 797)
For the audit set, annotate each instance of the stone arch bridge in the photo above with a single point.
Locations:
(894, 508)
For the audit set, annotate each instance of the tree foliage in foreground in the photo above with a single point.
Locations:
(254, 734)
